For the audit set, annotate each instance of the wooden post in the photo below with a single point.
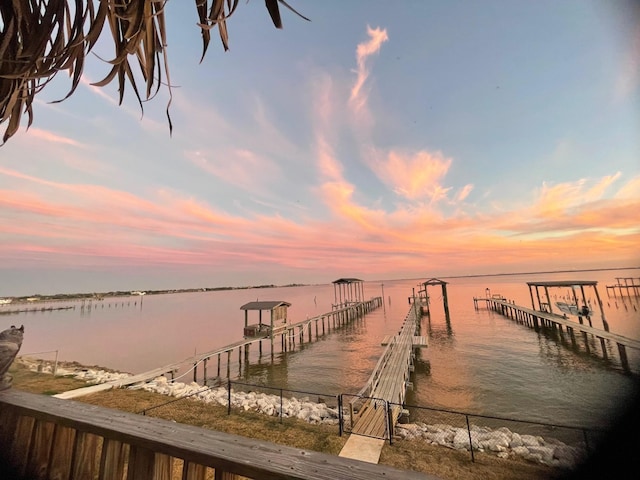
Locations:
(604, 321)
(204, 368)
(623, 357)
(38, 462)
(445, 300)
(603, 344)
(546, 292)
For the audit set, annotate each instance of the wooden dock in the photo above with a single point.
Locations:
(322, 324)
(537, 319)
(625, 286)
(388, 383)
(376, 408)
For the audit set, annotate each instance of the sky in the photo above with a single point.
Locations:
(426, 139)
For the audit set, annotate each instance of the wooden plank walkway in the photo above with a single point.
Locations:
(122, 382)
(388, 382)
(338, 316)
(536, 318)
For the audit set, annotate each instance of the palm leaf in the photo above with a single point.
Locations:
(39, 38)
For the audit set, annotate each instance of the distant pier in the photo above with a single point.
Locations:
(537, 319)
(625, 286)
(288, 334)
(345, 311)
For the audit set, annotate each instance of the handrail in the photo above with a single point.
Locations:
(54, 438)
(373, 378)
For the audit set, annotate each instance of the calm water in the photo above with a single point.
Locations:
(480, 362)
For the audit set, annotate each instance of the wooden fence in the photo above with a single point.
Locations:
(49, 438)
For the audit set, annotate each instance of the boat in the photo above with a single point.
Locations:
(572, 309)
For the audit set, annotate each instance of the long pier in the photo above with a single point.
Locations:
(375, 409)
(323, 324)
(626, 286)
(537, 319)
(326, 321)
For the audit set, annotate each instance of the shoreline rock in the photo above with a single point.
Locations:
(501, 442)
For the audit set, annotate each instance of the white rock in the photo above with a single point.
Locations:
(497, 441)
(461, 439)
(529, 440)
(521, 451)
(546, 453)
(516, 440)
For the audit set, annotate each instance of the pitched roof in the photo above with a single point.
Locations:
(562, 283)
(347, 280)
(266, 305)
(434, 281)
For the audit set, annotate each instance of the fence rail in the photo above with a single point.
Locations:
(439, 426)
(49, 438)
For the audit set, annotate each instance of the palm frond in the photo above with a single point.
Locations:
(39, 38)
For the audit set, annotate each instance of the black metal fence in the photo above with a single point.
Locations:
(553, 444)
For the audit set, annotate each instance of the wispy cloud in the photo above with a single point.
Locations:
(364, 50)
(414, 175)
(556, 199)
(242, 168)
(463, 193)
(52, 137)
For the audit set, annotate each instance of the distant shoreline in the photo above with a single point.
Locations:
(128, 293)
(541, 273)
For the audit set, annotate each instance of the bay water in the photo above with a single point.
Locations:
(479, 362)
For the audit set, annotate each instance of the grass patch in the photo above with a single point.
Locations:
(415, 455)
(34, 382)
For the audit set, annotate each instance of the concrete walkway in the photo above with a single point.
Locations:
(365, 449)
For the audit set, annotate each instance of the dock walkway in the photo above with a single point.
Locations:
(333, 319)
(535, 319)
(376, 408)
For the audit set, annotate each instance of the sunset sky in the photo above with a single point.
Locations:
(379, 141)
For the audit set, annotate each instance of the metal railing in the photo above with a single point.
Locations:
(454, 429)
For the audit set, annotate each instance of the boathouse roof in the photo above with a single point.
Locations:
(434, 281)
(562, 283)
(266, 305)
(347, 280)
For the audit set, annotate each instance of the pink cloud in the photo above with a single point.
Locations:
(554, 199)
(240, 167)
(629, 190)
(414, 175)
(364, 50)
(464, 192)
(52, 137)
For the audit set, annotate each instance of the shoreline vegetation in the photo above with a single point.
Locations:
(8, 300)
(128, 293)
(409, 451)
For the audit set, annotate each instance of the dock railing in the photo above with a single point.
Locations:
(48, 438)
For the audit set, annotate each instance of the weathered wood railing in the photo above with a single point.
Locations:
(49, 438)
(388, 381)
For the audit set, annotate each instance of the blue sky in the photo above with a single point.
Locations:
(422, 139)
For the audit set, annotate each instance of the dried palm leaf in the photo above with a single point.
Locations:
(39, 38)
